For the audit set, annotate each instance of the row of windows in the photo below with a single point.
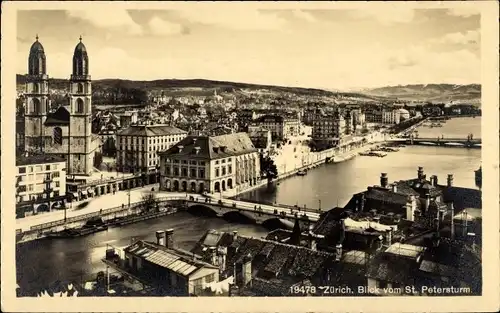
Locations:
(193, 172)
(129, 139)
(39, 176)
(55, 193)
(222, 171)
(38, 168)
(37, 187)
(176, 161)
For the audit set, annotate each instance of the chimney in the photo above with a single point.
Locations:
(169, 238)
(338, 252)
(452, 222)
(180, 147)
(247, 269)
(235, 235)
(420, 173)
(394, 188)
(312, 240)
(222, 258)
(197, 150)
(388, 237)
(213, 256)
(383, 180)
(160, 237)
(427, 202)
(434, 180)
(450, 180)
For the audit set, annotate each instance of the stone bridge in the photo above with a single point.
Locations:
(439, 141)
(253, 212)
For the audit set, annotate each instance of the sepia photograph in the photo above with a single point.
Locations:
(287, 151)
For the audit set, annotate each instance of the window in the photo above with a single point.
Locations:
(202, 163)
(176, 171)
(21, 189)
(57, 184)
(210, 278)
(22, 170)
(193, 172)
(216, 172)
(184, 162)
(47, 167)
(79, 105)
(80, 88)
(37, 106)
(167, 171)
(223, 170)
(184, 172)
(229, 169)
(30, 187)
(201, 173)
(176, 161)
(217, 162)
(223, 161)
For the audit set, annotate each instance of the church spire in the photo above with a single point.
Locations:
(36, 37)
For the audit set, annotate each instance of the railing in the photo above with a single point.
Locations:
(117, 209)
(282, 206)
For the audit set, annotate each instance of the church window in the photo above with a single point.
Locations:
(80, 88)
(37, 107)
(58, 136)
(79, 105)
(36, 89)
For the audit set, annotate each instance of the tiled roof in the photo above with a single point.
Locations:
(392, 268)
(269, 117)
(176, 260)
(38, 159)
(386, 195)
(212, 147)
(151, 130)
(328, 222)
(463, 197)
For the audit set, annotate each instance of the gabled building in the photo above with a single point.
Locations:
(210, 164)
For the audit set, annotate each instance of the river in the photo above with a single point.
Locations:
(40, 263)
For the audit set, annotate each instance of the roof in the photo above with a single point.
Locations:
(175, 260)
(462, 197)
(36, 47)
(212, 147)
(38, 159)
(406, 250)
(80, 48)
(60, 117)
(386, 195)
(270, 117)
(392, 268)
(151, 130)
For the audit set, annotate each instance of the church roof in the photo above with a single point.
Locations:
(80, 48)
(36, 47)
(59, 117)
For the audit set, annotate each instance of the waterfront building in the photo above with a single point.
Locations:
(281, 126)
(167, 269)
(260, 137)
(432, 110)
(328, 130)
(358, 119)
(373, 115)
(40, 184)
(67, 131)
(210, 164)
(138, 147)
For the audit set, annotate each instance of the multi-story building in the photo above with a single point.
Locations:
(281, 127)
(128, 118)
(373, 115)
(328, 130)
(358, 119)
(40, 183)
(210, 164)
(67, 131)
(390, 116)
(138, 147)
(260, 137)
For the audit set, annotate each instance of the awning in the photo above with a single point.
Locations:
(90, 191)
(74, 194)
(84, 192)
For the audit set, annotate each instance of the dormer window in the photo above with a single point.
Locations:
(180, 148)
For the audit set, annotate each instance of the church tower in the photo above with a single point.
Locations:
(37, 99)
(81, 148)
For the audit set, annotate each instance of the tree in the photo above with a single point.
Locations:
(150, 202)
(268, 168)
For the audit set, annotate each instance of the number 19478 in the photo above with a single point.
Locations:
(303, 290)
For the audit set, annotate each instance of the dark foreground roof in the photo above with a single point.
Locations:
(38, 159)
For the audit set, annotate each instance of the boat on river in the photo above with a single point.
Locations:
(302, 173)
(92, 226)
(379, 154)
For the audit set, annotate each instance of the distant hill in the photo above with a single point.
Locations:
(431, 92)
(106, 89)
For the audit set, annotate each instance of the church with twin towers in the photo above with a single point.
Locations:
(66, 132)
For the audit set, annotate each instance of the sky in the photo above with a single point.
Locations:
(329, 49)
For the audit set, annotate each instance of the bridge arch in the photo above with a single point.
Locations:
(203, 210)
(240, 217)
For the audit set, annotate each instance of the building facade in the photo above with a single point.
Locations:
(281, 127)
(260, 137)
(210, 164)
(40, 184)
(138, 147)
(328, 130)
(67, 132)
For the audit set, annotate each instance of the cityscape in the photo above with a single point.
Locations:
(135, 186)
